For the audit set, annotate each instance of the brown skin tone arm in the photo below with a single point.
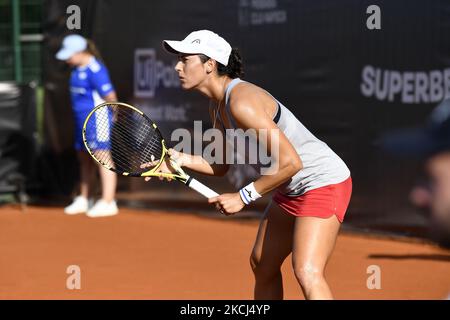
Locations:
(245, 105)
(288, 162)
(247, 114)
(198, 163)
(193, 162)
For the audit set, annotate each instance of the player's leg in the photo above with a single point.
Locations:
(314, 240)
(80, 203)
(87, 168)
(109, 183)
(106, 206)
(108, 178)
(273, 244)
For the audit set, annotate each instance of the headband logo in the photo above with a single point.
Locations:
(197, 41)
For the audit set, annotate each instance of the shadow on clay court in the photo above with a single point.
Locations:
(432, 257)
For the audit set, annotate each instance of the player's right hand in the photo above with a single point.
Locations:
(165, 166)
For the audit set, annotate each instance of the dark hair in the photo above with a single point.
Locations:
(92, 49)
(234, 69)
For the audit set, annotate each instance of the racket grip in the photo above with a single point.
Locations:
(201, 188)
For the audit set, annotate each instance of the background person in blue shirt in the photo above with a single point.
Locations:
(90, 85)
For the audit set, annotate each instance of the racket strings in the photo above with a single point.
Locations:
(130, 136)
(103, 153)
(153, 145)
(123, 139)
(137, 135)
(120, 161)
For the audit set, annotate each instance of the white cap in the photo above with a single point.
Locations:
(203, 41)
(71, 44)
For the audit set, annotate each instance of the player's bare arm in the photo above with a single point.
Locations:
(249, 114)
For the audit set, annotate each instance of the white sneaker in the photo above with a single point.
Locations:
(103, 209)
(79, 205)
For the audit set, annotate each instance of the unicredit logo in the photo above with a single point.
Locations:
(151, 74)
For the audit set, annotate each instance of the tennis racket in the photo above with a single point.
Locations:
(121, 138)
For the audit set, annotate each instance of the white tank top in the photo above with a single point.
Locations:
(321, 166)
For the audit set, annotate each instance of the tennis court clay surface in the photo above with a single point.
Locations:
(165, 255)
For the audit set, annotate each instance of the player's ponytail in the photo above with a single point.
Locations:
(235, 68)
(92, 49)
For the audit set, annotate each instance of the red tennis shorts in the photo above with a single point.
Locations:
(322, 202)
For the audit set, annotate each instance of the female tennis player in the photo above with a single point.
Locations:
(312, 185)
(90, 85)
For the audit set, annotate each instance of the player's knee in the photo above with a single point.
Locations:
(307, 274)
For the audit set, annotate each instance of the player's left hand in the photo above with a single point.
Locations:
(228, 203)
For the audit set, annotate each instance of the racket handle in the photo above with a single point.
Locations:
(201, 188)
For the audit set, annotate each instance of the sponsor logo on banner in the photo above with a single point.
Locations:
(151, 74)
(408, 87)
(166, 111)
(260, 12)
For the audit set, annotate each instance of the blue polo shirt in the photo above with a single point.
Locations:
(88, 85)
